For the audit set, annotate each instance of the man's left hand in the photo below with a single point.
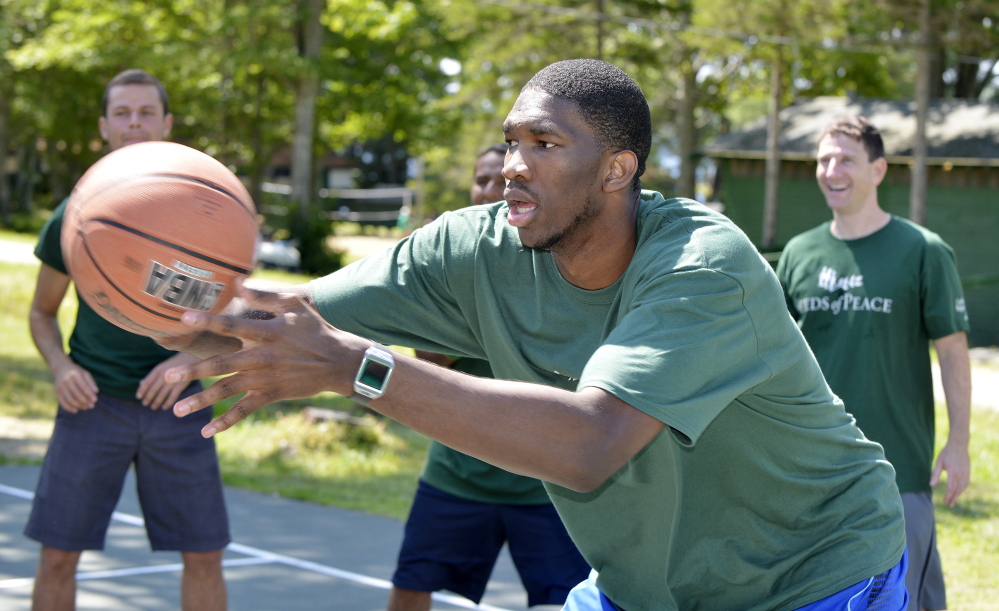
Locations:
(955, 461)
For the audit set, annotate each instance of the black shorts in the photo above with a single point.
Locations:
(177, 475)
(452, 544)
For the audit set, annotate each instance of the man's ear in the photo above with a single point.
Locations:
(620, 171)
(102, 126)
(880, 169)
(167, 125)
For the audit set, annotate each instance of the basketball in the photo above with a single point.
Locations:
(154, 230)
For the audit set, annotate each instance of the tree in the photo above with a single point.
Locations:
(775, 26)
(310, 40)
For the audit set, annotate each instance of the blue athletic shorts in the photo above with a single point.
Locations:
(452, 544)
(177, 476)
(883, 592)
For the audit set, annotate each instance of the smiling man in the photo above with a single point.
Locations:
(645, 370)
(870, 291)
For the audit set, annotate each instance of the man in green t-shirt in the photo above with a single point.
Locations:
(465, 509)
(114, 413)
(870, 291)
(646, 370)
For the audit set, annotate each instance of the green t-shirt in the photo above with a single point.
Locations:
(760, 494)
(869, 308)
(117, 359)
(470, 478)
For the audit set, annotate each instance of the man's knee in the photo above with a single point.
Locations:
(202, 561)
(59, 562)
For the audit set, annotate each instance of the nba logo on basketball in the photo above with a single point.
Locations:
(183, 290)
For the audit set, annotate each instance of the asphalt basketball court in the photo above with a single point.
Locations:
(286, 556)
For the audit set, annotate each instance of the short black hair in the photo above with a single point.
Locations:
(134, 76)
(860, 129)
(610, 102)
(495, 148)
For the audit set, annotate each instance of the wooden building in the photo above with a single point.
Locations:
(962, 193)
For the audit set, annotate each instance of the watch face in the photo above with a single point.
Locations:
(373, 374)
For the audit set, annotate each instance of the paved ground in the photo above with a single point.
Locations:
(286, 556)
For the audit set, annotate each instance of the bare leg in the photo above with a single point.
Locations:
(202, 586)
(408, 600)
(55, 581)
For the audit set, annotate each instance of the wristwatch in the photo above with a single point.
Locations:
(373, 375)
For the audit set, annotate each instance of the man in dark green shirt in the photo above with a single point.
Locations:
(466, 509)
(646, 370)
(870, 291)
(113, 413)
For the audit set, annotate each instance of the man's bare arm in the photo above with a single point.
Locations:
(75, 387)
(574, 439)
(955, 373)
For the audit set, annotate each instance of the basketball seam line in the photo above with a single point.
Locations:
(112, 284)
(211, 185)
(177, 247)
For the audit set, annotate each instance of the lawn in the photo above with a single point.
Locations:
(373, 467)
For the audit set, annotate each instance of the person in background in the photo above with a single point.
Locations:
(466, 509)
(114, 412)
(870, 292)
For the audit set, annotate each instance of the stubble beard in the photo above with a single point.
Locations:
(562, 238)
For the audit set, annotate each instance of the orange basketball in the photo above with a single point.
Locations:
(157, 229)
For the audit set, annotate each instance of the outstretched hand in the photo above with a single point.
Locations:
(293, 355)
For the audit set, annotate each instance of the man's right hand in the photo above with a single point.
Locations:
(75, 388)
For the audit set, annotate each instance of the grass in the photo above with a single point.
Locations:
(14, 236)
(373, 468)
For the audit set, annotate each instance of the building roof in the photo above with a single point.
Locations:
(961, 132)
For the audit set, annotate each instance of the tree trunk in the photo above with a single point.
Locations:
(917, 189)
(5, 212)
(772, 178)
(600, 29)
(688, 132)
(686, 123)
(306, 94)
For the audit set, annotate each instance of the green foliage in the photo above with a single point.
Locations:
(25, 382)
(370, 467)
(26, 223)
(968, 534)
(312, 236)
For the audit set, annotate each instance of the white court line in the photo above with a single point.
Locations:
(257, 556)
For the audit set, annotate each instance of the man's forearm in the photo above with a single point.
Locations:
(955, 374)
(574, 439)
(46, 335)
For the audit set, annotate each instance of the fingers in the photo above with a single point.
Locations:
(172, 391)
(937, 471)
(266, 301)
(221, 365)
(244, 407)
(229, 386)
(957, 483)
(163, 394)
(958, 476)
(76, 390)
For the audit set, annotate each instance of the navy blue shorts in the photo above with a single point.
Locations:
(177, 475)
(452, 544)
